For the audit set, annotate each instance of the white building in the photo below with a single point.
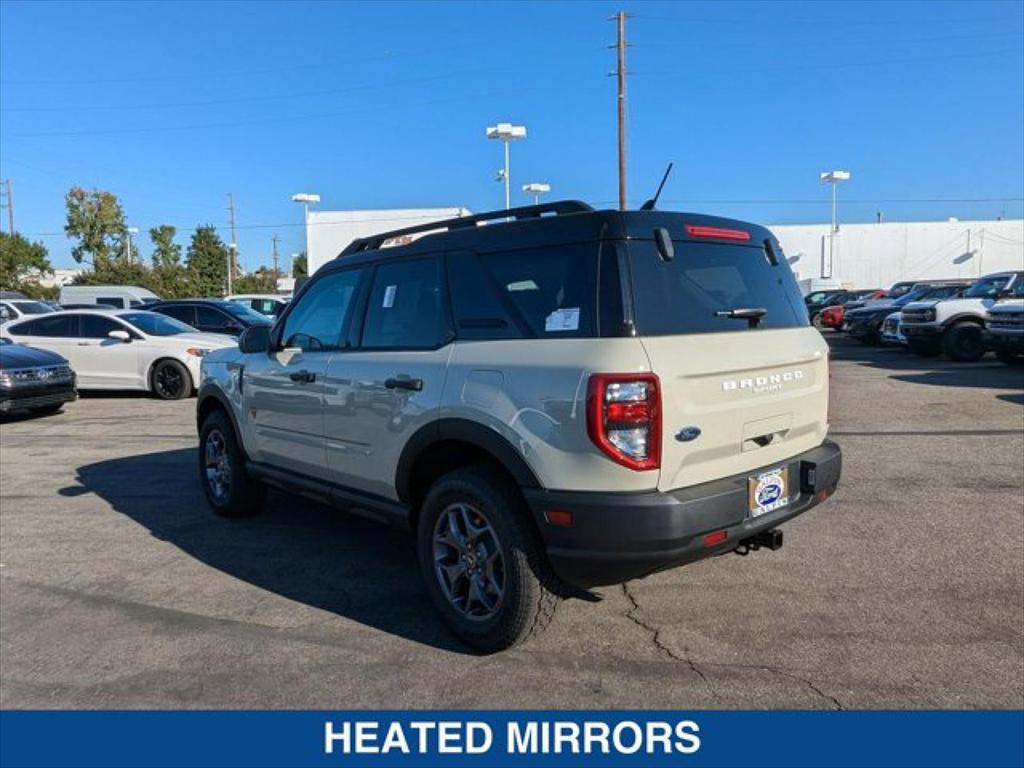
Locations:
(860, 256)
(328, 232)
(878, 255)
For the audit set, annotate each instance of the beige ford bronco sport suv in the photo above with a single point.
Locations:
(551, 398)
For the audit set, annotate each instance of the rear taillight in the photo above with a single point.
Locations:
(624, 418)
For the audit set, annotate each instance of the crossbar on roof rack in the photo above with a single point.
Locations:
(559, 207)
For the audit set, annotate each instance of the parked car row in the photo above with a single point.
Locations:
(962, 319)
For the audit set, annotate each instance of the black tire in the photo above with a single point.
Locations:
(1010, 358)
(529, 591)
(240, 495)
(963, 343)
(923, 348)
(47, 410)
(170, 380)
(816, 320)
(872, 338)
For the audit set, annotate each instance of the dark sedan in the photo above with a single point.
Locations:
(33, 379)
(211, 315)
(865, 323)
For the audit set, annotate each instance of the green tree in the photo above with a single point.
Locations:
(207, 262)
(96, 219)
(169, 276)
(299, 266)
(166, 252)
(20, 261)
(263, 280)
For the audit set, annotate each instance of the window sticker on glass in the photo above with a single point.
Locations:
(389, 296)
(523, 285)
(563, 320)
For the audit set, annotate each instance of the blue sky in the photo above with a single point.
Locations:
(172, 106)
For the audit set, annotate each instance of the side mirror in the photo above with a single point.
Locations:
(120, 336)
(255, 339)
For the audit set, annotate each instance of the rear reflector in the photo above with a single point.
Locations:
(558, 517)
(715, 538)
(720, 233)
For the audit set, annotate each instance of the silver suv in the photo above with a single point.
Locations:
(552, 398)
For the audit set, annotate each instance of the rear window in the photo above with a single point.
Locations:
(682, 295)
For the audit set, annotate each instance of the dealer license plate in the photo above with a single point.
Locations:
(768, 491)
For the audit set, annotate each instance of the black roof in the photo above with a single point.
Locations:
(556, 223)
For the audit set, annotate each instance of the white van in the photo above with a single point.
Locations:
(120, 296)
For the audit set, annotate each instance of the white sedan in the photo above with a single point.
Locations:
(122, 349)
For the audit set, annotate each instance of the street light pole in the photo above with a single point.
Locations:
(129, 231)
(833, 178)
(507, 133)
(306, 198)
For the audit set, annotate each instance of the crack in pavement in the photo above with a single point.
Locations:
(633, 615)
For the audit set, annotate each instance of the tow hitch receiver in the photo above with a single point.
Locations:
(767, 539)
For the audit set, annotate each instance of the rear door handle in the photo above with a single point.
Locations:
(303, 377)
(416, 385)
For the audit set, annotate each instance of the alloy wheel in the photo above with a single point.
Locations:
(218, 466)
(469, 562)
(168, 381)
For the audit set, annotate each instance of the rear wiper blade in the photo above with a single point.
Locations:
(752, 315)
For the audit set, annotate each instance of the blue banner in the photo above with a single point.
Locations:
(468, 739)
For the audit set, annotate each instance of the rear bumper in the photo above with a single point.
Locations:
(615, 537)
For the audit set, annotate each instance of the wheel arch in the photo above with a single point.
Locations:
(963, 317)
(448, 444)
(210, 399)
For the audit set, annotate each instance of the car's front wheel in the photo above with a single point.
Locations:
(484, 565)
(963, 343)
(229, 489)
(170, 380)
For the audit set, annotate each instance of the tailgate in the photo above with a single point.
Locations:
(756, 397)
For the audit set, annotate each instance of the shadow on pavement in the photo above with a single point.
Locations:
(296, 548)
(906, 366)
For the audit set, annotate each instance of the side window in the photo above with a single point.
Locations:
(552, 289)
(114, 301)
(98, 327)
(187, 315)
(208, 317)
(479, 312)
(57, 326)
(404, 309)
(317, 321)
(6, 313)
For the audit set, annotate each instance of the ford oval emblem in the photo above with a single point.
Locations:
(686, 434)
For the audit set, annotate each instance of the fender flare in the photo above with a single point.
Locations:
(969, 317)
(210, 391)
(464, 430)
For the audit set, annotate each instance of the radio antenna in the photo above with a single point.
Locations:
(649, 205)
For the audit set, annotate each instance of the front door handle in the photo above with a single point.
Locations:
(416, 385)
(303, 377)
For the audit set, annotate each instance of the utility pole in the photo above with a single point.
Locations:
(620, 75)
(233, 246)
(9, 203)
(277, 274)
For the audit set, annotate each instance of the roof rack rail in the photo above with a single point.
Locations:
(560, 207)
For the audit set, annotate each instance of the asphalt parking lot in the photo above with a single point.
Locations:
(119, 589)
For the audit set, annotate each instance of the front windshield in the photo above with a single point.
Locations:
(154, 324)
(33, 307)
(914, 295)
(986, 288)
(1017, 291)
(242, 312)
